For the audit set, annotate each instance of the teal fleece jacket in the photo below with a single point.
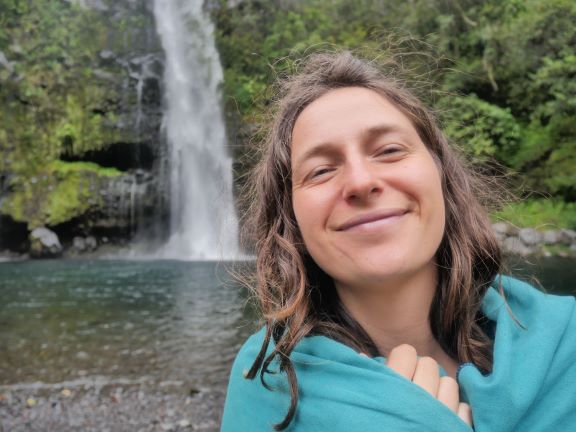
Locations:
(531, 388)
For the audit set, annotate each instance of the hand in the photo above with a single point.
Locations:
(424, 371)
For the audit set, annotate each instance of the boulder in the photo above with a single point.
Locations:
(79, 244)
(515, 246)
(530, 236)
(568, 237)
(44, 243)
(502, 229)
(91, 243)
(84, 244)
(552, 237)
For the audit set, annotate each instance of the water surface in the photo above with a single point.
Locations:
(159, 321)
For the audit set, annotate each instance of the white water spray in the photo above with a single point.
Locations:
(203, 219)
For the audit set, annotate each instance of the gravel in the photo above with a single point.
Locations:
(112, 407)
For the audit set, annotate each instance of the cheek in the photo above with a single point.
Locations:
(310, 212)
(426, 187)
(301, 213)
(437, 207)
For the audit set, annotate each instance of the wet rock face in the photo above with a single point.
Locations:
(139, 88)
(129, 201)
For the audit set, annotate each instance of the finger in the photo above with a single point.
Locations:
(448, 393)
(427, 375)
(402, 360)
(465, 413)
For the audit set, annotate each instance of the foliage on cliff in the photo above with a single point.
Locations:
(51, 105)
(504, 71)
(57, 193)
(59, 90)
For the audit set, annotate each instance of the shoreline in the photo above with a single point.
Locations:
(523, 242)
(526, 242)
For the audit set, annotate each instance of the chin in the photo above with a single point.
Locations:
(382, 272)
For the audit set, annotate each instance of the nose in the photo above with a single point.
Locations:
(361, 181)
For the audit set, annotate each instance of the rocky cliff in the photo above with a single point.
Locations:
(80, 146)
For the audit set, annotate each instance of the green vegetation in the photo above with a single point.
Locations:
(53, 104)
(556, 250)
(500, 73)
(542, 214)
(60, 99)
(57, 193)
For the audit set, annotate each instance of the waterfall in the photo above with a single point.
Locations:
(203, 219)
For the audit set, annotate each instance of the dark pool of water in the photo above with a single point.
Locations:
(554, 275)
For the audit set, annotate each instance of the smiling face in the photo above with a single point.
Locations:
(367, 194)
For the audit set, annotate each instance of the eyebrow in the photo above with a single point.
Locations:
(379, 130)
(326, 148)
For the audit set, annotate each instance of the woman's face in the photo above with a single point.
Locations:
(367, 193)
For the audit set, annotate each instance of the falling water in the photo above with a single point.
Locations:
(203, 220)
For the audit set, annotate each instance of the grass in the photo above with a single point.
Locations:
(541, 214)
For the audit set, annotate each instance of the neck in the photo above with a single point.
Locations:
(397, 312)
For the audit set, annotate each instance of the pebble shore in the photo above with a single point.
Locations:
(109, 408)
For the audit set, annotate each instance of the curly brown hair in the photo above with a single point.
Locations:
(297, 298)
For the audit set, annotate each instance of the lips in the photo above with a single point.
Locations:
(380, 215)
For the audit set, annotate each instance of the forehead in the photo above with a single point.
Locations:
(345, 114)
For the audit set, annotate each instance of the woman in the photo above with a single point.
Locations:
(371, 243)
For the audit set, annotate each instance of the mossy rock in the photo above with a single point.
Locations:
(57, 193)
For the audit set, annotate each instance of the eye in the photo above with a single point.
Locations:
(390, 150)
(320, 172)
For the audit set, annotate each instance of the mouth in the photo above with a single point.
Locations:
(377, 217)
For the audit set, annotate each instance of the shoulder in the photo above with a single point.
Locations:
(249, 405)
(250, 349)
(245, 359)
(530, 386)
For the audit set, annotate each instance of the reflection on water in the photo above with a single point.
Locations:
(165, 320)
(159, 320)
